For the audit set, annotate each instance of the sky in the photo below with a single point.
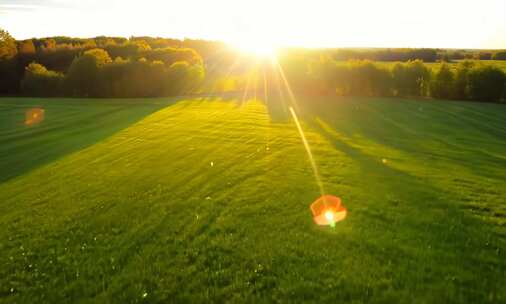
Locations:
(314, 23)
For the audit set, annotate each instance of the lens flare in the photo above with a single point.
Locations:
(329, 215)
(328, 210)
(308, 150)
(34, 116)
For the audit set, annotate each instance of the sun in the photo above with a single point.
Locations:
(255, 47)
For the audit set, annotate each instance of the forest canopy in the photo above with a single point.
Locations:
(156, 67)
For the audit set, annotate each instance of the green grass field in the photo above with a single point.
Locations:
(207, 200)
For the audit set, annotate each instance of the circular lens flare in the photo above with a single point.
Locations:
(329, 216)
(328, 210)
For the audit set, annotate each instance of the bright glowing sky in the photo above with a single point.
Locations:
(309, 23)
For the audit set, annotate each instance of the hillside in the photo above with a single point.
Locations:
(198, 200)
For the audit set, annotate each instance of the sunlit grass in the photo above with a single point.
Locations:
(208, 200)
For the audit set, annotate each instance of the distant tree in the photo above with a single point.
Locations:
(442, 83)
(183, 78)
(295, 70)
(411, 78)
(82, 78)
(171, 55)
(445, 57)
(158, 43)
(500, 55)
(484, 56)
(461, 83)
(26, 47)
(9, 73)
(113, 80)
(104, 42)
(399, 79)
(124, 50)
(196, 75)
(176, 78)
(356, 77)
(426, 55)
(88, 44)
(26, 54)
(58, 58)
(323, 75)
(8, 47)
(38, 81)
(455, 55)
(49, 44)
(142, 45)
(486, 83)
(144, 79)
(367, 79)
(132, 78)
(101, 56)
(420, 73)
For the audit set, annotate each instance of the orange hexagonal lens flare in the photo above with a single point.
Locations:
(328, 210)
(34, 116)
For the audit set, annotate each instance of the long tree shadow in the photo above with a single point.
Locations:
(67, 125)
(431, 221)
(418, 218)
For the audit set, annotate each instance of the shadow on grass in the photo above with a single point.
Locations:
(69, 125)
(420, 220)
(425, 223)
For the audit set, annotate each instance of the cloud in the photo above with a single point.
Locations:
(4, 8)
(31, 5)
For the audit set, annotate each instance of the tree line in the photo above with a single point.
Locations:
(95, 74)
(424, 54)
(100, 67)
(467, 80)
(155, 67)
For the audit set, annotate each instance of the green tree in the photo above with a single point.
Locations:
(38, 81)
(500, 55)
(49, 44)
(112, 79)
(411, 78)
(367, 79)
(143, 78)
(461, 83)
(82, 78)
(176, 78)
(26, 54)
(442, 83)
(10, 75)
(26, 47)
(101, 56)
(195, 78)
(8, 47)
(170, 55)
(183, 78)
(486, 83)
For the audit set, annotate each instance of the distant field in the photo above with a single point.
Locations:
(435, 65)
(498, 63)
(207, 200)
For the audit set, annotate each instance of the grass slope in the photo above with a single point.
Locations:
(69, 125)
(207, 200)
